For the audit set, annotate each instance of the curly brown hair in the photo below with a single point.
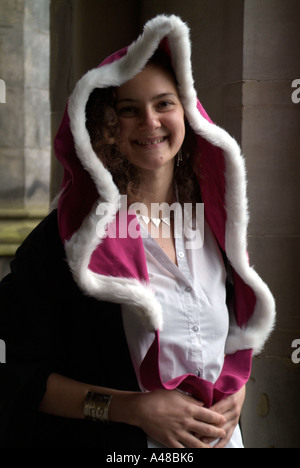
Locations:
(104, 130)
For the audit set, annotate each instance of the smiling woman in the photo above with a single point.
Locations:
(108, 328)
(113, 114)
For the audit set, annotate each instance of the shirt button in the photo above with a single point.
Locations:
(188, 289)
(181, 255)
(195, 329)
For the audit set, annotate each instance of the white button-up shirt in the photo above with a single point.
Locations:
(195, 314)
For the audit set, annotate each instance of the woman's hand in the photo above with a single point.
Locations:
(175, 420)
(231, 409)
(170, 417)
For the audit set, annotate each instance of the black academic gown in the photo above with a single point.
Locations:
(49, 326)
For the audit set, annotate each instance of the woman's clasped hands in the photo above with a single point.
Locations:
(177, 420)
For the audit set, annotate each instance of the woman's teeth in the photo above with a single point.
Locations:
(150, 142)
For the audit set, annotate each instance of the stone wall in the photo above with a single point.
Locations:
(271, 143)
(25, 139)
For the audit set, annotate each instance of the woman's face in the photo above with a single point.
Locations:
(151, 118)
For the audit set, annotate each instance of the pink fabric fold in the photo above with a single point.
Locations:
(235, 374)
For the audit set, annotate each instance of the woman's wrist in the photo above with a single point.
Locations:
(123, 408)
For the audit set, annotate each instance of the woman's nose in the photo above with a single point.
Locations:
(150, 119)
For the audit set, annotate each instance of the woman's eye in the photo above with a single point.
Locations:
(127, 111)
(165, 105)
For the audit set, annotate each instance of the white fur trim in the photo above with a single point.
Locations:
(80, 247)
(79, 250)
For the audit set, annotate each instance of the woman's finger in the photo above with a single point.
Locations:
(202, 430)
(209, 417)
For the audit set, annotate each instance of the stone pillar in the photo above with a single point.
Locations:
(271, 143)
(24, 120)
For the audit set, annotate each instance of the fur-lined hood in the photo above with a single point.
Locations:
(111, 269)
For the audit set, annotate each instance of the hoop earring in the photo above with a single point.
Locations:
(179, 157)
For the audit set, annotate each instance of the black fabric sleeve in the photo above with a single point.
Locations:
(28, 326)
(49, 326)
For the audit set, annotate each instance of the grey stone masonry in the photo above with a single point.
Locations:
(25, 148)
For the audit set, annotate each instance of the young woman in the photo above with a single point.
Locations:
(107, 318)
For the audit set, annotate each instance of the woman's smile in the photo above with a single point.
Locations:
(150, 142)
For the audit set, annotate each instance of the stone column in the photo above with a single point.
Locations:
(271, 143)
(24, 121)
